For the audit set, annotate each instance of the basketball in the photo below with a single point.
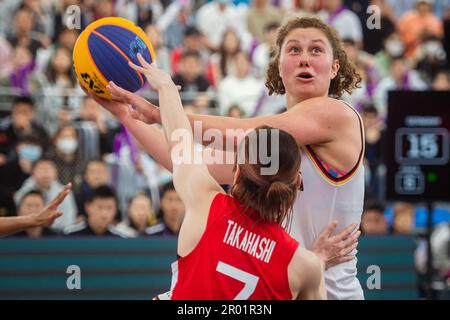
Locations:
(102, 52)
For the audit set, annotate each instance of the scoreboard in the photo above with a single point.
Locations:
(418, 143)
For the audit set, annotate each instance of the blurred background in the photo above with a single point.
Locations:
(218, 51)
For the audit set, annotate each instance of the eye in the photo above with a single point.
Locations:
(294, 49)
(317, 50)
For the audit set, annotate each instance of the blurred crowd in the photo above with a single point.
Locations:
(218, 52)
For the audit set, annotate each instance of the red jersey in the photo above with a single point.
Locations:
(236, 258)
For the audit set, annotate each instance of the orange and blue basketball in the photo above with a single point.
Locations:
(102, 52)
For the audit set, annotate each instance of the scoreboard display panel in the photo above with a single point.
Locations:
(418, 146)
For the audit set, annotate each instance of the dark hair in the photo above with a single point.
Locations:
(102, 192)
(272, 196)
(168, 186)
(347, 77)
(370, 108)
(271, 26)
(223, 54)
(374, 205)
(191, 31)
(32, 193)
(23, 100)
(29, 139)
(191, 53)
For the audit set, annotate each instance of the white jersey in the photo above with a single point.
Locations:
(324, 199)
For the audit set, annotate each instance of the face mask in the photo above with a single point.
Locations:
(67, 145)
(30, 152)
(434, 49)
(395, 48)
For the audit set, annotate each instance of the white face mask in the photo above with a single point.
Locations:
(67, 145)
(434, 49)
(395, 48)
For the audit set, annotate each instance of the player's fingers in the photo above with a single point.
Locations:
(328, 229)
(137, 68)
(352, 238)
(61, 196)
(346, 232)
(141, 59)
(348, 249)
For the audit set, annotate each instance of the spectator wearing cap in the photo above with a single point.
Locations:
(416, 24)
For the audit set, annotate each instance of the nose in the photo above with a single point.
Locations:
(303, 60)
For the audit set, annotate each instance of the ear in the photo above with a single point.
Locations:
(335, 68)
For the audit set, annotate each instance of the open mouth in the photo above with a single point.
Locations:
(305, 75)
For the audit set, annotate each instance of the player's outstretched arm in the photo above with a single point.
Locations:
(192, 180)
(44, 218)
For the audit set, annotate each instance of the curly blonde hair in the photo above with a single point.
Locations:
(347, 77)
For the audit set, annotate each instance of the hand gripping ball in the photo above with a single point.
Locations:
(102, 52)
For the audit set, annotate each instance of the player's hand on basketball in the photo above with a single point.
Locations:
(50, 213)
(141, 109)
(157, 78)
(335, 249)
(118, 109)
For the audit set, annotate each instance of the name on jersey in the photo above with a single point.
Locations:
(259, 247)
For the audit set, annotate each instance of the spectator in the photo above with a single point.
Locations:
(18, 168)
(373, 38)
(21, 123)
(375, 136)
(345, 21)
(365, 65)
(20, 75)
(95, 175)
(403, 222)
(171, 213)
(190, 76)
(304, 8)
(214, 18)
(373, 221)
(31, 203)
(44, 179)
(262, 53)
(223, 61)
(242, 89)
(393, 47)
(401, 78)
(235, 112)
(23, 35)
(431, 58)
(95, 131)
(102, 212)
(192, 42)
(416, 24)
(141, 216)
(260, 14)
(65, 153)
(441, 81)
(161, 51)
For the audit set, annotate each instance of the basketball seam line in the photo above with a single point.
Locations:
(119, 50)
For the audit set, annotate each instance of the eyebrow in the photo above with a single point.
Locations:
(314, 40)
